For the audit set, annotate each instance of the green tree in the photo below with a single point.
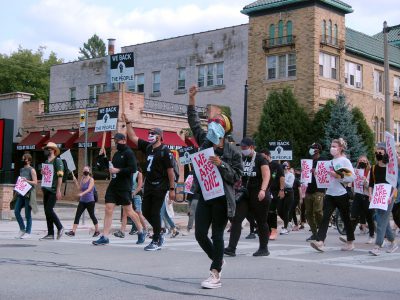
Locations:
(365, 132)
(320, 120)
(27, 71)
(95, 47)
(283, 119)
(341, 124)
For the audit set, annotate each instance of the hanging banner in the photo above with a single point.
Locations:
(306, 166)
(208, 175)
(47, 175)
(322, 175)
(21, 186)
(67, 156)
(380, 196)
(392, 167)
(359, 181)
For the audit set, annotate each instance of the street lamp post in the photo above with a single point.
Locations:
(388, 102)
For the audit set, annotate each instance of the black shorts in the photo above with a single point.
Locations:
(118, 197)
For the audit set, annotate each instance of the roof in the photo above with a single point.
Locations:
(370, 47)
(261, 5)
(393, 35)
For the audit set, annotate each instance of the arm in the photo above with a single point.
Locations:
(193, 117)
(171, 179)
(58, 189)
(140, 183)
(231, 172)
(34, 178)
(266, 175)
(130, 131)
(89, 189)
(281, 193)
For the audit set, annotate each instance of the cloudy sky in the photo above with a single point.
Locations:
(64, 25)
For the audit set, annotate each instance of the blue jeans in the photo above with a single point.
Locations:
(164, 217)
(383, 225)
(21, 202)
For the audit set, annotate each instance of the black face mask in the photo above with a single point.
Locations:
(85, 173)
(121, 147)
(219, 151)
(385, 159)
(362, 165)
(378, 156)
(24, 162)
(46, 152)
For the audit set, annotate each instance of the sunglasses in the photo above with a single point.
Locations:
(218, 121)
(153, 133)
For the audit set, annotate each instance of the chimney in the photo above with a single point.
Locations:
(111, 46)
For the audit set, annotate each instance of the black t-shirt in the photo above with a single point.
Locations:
(312, 187)
(125, 161)
(276, 173)
(252, 172)
(296, 185)
(158, 161)
(378, 175)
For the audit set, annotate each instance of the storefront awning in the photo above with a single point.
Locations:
(171, 139)
(64, 139)
(33, 141)
(94, 139)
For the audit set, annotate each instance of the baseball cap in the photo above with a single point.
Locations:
(247, 142)
(158, 131)
(119, 136)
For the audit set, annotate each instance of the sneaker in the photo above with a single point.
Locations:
(295, 228)
(60, 233)
(370, 240)
(186, 233)
(20, 234)
(174, 233)
(119, 234)
(153, 246)
(376, 251)
(318, 245)
(311, 238)
(96, 233)
(261, 252)
(213, 281)
(26, 236)
(392, 247)
(343, 239)
(251, 236)
(161, 240)
(47, 237)
(141, 237)
(229, 251)
(133, 231)
(101, 241)
(349, 246)
(70, 233)
(284, 231)
(274, 234)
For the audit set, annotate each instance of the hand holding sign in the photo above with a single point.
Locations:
(47, 175)
(306, 166)
(21, 186)
(381, 196)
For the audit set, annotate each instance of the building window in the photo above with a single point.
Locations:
(323, 29)
(335, 35)
(72, 94)
(353, 74)
(289, 31)
(139, 79)
(375, 126)
(396, 132)
(96, 89)
(329, 33)
(378, 82)
(211, 75)
(280, 32)
(328, 65)
(282, 66)
(272, 34)
(382, 130)
(156, 82)
(396, 85)
(181, 78)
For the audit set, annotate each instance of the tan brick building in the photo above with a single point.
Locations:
(305, 45)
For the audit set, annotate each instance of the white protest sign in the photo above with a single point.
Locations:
(169, 206)
(122, 67)
(208, 175)
(184, 154)
(392, 167)
(47, 175)
(188, 184)
(380, 196)
(322, 175)
(306, 166)
(67, 156)
(107, 118)
(359, 181)
(21, 186)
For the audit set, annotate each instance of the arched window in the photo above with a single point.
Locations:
(335, 35)
(375, 126)
(289, 31)
(382, 130)
(280, 32)
(329, 31)
(323, 29)
(272, 34)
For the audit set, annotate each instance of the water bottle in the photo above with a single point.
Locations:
(110, 165)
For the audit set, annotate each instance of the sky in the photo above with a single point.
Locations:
(62, 26)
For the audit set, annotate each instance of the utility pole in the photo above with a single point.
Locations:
(388, 102)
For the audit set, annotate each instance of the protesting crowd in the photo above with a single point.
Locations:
(229, 184)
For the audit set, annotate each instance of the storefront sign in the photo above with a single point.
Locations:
(107, 118)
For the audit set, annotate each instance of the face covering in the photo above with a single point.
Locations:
(215, 132)
(247, 152)
(379, 156)
(219, 151)
(85, 173)
(24, 162)
(311, 151)
(121, 147)
(362, 165)
(334, 151)
(152, 139)
(46, 152)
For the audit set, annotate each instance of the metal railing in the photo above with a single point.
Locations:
(331, 41)
(178, 109)
(288, 40)
(70, 105)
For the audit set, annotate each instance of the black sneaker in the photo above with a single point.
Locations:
(311, 238)
(47, 237)
(119, 234)
(261, 252)
(251, 236)
(96, 233)
(228, 251)
(70, 233)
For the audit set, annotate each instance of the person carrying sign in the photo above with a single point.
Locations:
(28, 175)
(52, 175)
(215, 212)
(378, 175)
(160, 178)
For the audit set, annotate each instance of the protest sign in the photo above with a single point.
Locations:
(392, 168)
(47, 175)
(380, 196)
(67, 156)
(184, 154)
(322, 175)
(188, 184)
(359, 181)
(208, 175)
(21, 186)
(306, 166)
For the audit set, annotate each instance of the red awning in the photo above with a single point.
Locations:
(171, 139)
(94, 139)
(33, 141)
(191, 141)
(64, 139)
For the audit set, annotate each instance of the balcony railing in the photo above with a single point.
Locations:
(70, 105)
(164, 107)
(331, 41)
(278, 42)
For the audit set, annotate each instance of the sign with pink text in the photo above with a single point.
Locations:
(359, 181)
(47, 175)
(22, 187)
(392, 168)
(322, 175)
(188, 184)
(381, 196)
(208, 175)
(306, 166)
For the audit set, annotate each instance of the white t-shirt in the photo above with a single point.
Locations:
(335, 185)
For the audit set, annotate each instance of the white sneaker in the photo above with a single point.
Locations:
(20, 234)
(213, 281)
(349, 246)
(376, 251)
(284, 231)
(392, 247)
(318, 245)
(370, 240)
(26, 236)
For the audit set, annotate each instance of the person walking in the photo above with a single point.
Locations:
(256, 176)
(121, 168)
(214, 213)
(285, 205)
(28, 175)
(52, 194)
(86, 201)
(167, 213)
(342, 173)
